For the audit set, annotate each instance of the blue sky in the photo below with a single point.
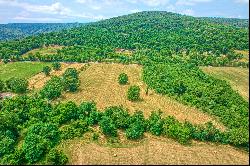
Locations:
(93, 10)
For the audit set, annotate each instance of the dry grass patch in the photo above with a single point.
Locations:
(237, 77)
(99, 83)
(151, 150)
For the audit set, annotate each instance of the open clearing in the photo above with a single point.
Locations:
(20, 69)
(44, 50)
(99, 83)
(237, 77)
(150, 150)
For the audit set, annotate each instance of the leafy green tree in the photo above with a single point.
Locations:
(133, 93)
(52, 88)
(56, 66)
(46, 70)
(1, 85)
(108, 127)
(17, 85)
(71, 80)
(56, 157)
(155, 123)
(123, 78)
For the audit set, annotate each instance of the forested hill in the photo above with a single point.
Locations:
(240, 23)
(144, 30)
(21, 30)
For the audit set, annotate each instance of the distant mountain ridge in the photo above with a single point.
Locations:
(20, 30)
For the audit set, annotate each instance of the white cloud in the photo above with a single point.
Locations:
(40, 19)
(189, 12)
(191, 2)
(242, 1)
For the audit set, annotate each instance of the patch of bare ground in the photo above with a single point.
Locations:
(99, 83)
(150, 150)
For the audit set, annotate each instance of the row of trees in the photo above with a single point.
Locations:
(45, 125)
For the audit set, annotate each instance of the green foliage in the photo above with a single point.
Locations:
(123, 78)
(190, 85)
(119, 116)
(52, 88)
(16, 158)
(65, 112)
(56, 157)
(74, 129)
(133, 93)
(174, 129)
(17, 85)
(71, 80)
(95, 136)
(39, 139)
(1, 85)
(155, 123)
(46, 70)
(108, 127)
(137, 126)
(56, 66)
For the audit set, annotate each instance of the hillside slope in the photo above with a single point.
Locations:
(147, 30)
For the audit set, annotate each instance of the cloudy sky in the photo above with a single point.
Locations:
(93, 10)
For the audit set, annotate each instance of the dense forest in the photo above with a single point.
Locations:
(169, 46)
(20, 30)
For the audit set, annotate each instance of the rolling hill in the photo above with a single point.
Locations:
(168, 111)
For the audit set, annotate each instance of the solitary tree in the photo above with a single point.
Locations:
(123, 78)
(56, 66)
(133, 93)
(46, 70)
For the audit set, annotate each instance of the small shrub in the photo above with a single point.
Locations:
(123, 78)
(56, 66)
(74, 129)
(56, 157)
(71, 80)
(133, 93)
(137, 126)
(155, 123)
(1, 85)
(95, 136)
(108, 127)
(174, 129)
(17, 85)
(46, 70)
(85, 109)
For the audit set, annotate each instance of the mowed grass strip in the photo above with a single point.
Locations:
(20, 69)
(99, 83)
(237, 77)
(150, 150)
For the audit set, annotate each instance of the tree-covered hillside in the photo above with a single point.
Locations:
(21, 30)
(240, 23)
(145, 30)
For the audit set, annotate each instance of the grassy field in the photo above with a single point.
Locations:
(20, 69)
(236, 76)
(149, 150)
(99, 83)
